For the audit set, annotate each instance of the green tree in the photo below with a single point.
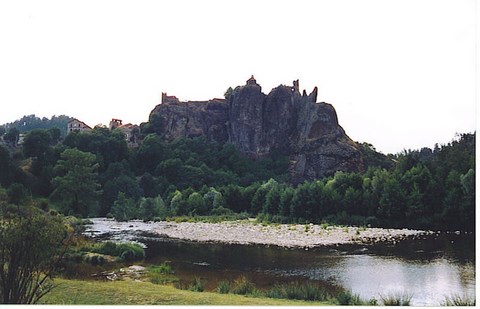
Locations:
(286, 197)
(272, 200)
(392, 202)
(468, 185)
(151, 208)
(453, 203)
(12, 136)
(149, 185)
(233, 198)
(418, 185)
(123, 208)
(213, 199)
(468, 205)
(55, 133)
(178, 205)
(76, 186)
(126, 184)
(151, 153)
(37, 144)
(6, 166)
(170, 169)
(259, 198)
(352, 201)
(310, 201)
(30, 248)
(17, 194)
(197, 204)
(31, 122)
(108, 146)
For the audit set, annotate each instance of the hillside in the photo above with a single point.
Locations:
(31, 122)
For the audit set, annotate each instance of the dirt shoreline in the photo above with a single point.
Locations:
(248, 232)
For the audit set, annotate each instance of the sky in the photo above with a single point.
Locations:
(401, 74)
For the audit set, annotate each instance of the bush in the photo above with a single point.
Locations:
(31, 246)
(196, 285)
(345, 298)
(161, 269)
(74, 257)
(221, 211)
(243, 286)
(124, 251)
(223, 287)
(457, 300)
(156, 278)
(95, 260)
(396, 299)
(161, 274)
(127, 256)
(300, 291)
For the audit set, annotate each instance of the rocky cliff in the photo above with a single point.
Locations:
(257, 124)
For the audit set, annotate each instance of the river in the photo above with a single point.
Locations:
(427, 268)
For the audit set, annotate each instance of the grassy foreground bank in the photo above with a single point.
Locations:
(78, 292)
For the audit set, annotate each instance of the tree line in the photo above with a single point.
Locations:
(95, 174)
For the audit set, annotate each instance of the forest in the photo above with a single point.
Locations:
(95, 173)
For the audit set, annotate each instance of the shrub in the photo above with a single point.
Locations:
(156, 278)
(396, 299)
(127, 256)
(300, 291)
(161, 269)
(161, 274)
(224, 287)
(243, 286)
(221, 211)
(135, 251)
(457, 300)
(124, 251)
(196, 285)
(75, 257)
(95, 259)
(345, 298)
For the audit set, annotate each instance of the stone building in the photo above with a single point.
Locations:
(131, 131)
(77, 125)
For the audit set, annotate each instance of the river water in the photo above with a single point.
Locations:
(427, 269)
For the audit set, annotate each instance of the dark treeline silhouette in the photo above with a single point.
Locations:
(31, 122)
(95, 174)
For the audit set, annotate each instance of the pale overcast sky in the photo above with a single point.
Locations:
(400, 73)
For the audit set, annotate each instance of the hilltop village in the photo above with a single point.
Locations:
(131, 131)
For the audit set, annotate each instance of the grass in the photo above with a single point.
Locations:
(209, 219)
(243, 286)
(163, 268)
(77, 292)
(396, 300)
(196, 285)
(124, 251)
(224, 287)
(161, 274)
(457, 300)
(300, 291)
(293, 291)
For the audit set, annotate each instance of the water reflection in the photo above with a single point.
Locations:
(428, 270)
(427, 282)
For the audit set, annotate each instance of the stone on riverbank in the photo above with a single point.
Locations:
(249, 232)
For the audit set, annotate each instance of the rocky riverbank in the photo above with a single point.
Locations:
(250, 232)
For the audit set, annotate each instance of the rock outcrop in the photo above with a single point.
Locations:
(257, 124)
